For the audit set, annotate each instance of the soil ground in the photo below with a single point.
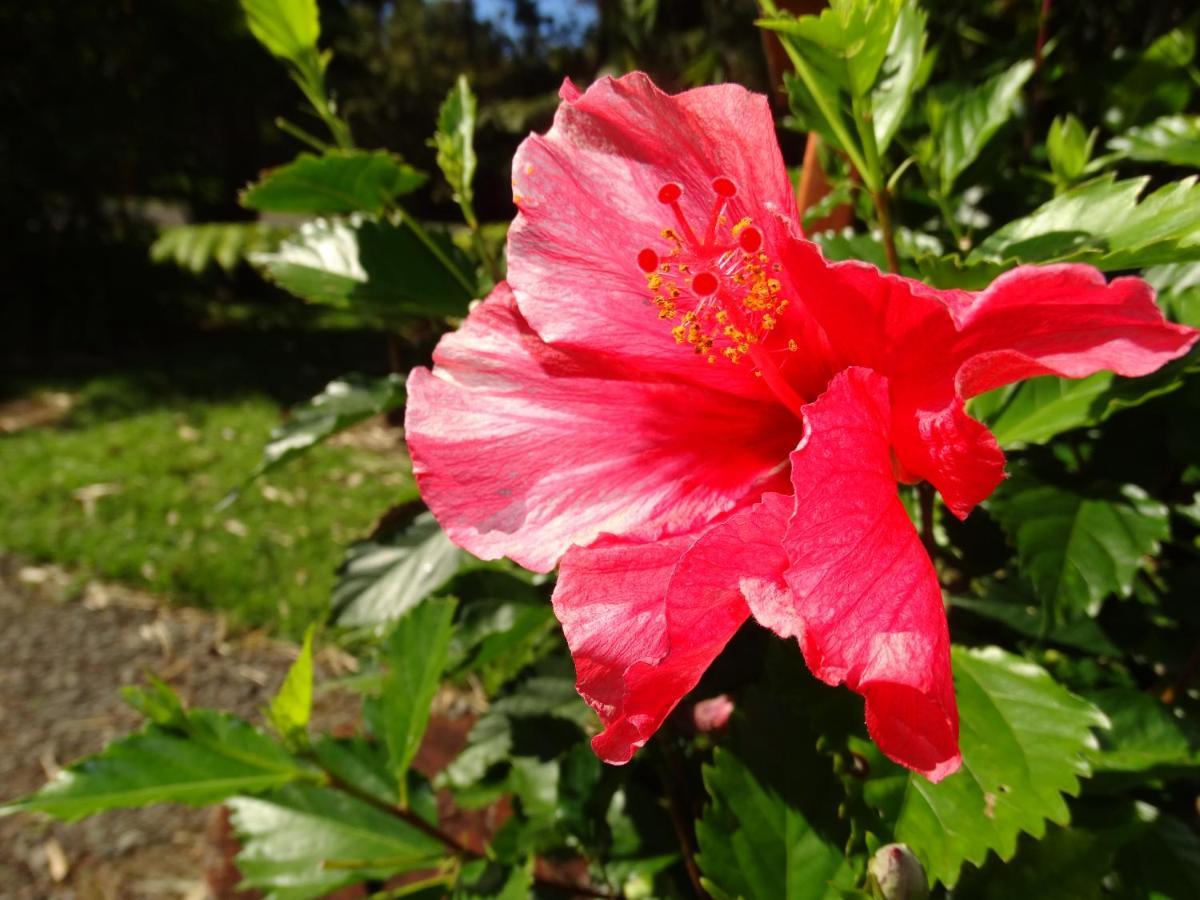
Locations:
(63, 659)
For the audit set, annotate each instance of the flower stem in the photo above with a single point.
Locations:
(883, 212)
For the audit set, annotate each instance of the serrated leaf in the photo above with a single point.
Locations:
(971, 119)
(900, 73)
(216, 757)
(1024, 741)
(380, 580)
(339, 181)
(225, 244)
(1170, 139)
(303, 842)
(455, 143)
(414, 653)
(772, 829)
(1103, 223)
(287, 28)
(1077, 549)
(849, 39)
(755, 844)
(343, 403)
(291, 707)
(381, 270)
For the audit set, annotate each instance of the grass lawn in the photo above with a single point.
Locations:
(127, 487)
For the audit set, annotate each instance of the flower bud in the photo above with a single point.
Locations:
(896, 874)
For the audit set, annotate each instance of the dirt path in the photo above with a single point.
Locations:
(65, 651)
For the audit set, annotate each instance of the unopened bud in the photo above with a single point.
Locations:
(896, 874)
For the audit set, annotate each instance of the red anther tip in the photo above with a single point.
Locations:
(670, 192)
(705, 284)
(724, 187)
(750, 239)
(648, 260)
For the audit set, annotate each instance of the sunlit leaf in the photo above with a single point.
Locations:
(972, 117)
(455, 142)
(225, 244)
(304, 842)
(1171, 139)
(339, 181)
(382, 579)
(1024, 742)
(381, 270)
(291, 707)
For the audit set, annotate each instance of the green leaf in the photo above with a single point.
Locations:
(1077, 549)
(360, 763)
(302, 842)
(291, 707)
(1146, 737)
(1024, 741)
(340, 181)
(849, 38)
(970, 120)
(754, 843)
(487, 879)
(216, 757)
(381, 270)
(381, 580)
(1170, 139)
(343, 403)
(196, 247)
(1069, 147)
(1067, 862)
(414, 653)
(772, 829)
(1005, 604)
(455, 144)
(900, 75)
(1103, 223)
(493, 738)
(287, 28)
(1178, 289)
(497, 638)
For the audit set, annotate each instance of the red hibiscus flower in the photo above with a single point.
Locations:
(678, 401)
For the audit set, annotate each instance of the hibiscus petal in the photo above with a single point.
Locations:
(640, 640)
(1062, 320)
(867, 603)
(522, 450)
(588, 189)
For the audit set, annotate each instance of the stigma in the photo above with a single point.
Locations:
(713, 279)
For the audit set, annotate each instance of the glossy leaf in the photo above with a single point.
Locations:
(339, 181)
(1103, 223)
(970, 120)
(213, 756)
(381, 270)
(1024, 742)
(1077, 549)
(343, 403)
(849, 39)
(496, 638)
(455, 143)
(1006, 603)
(291, 707)
(225, 244)
(414, 654)
(381, 580)
(302, 842)
(899, 76)
(1170, 139)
